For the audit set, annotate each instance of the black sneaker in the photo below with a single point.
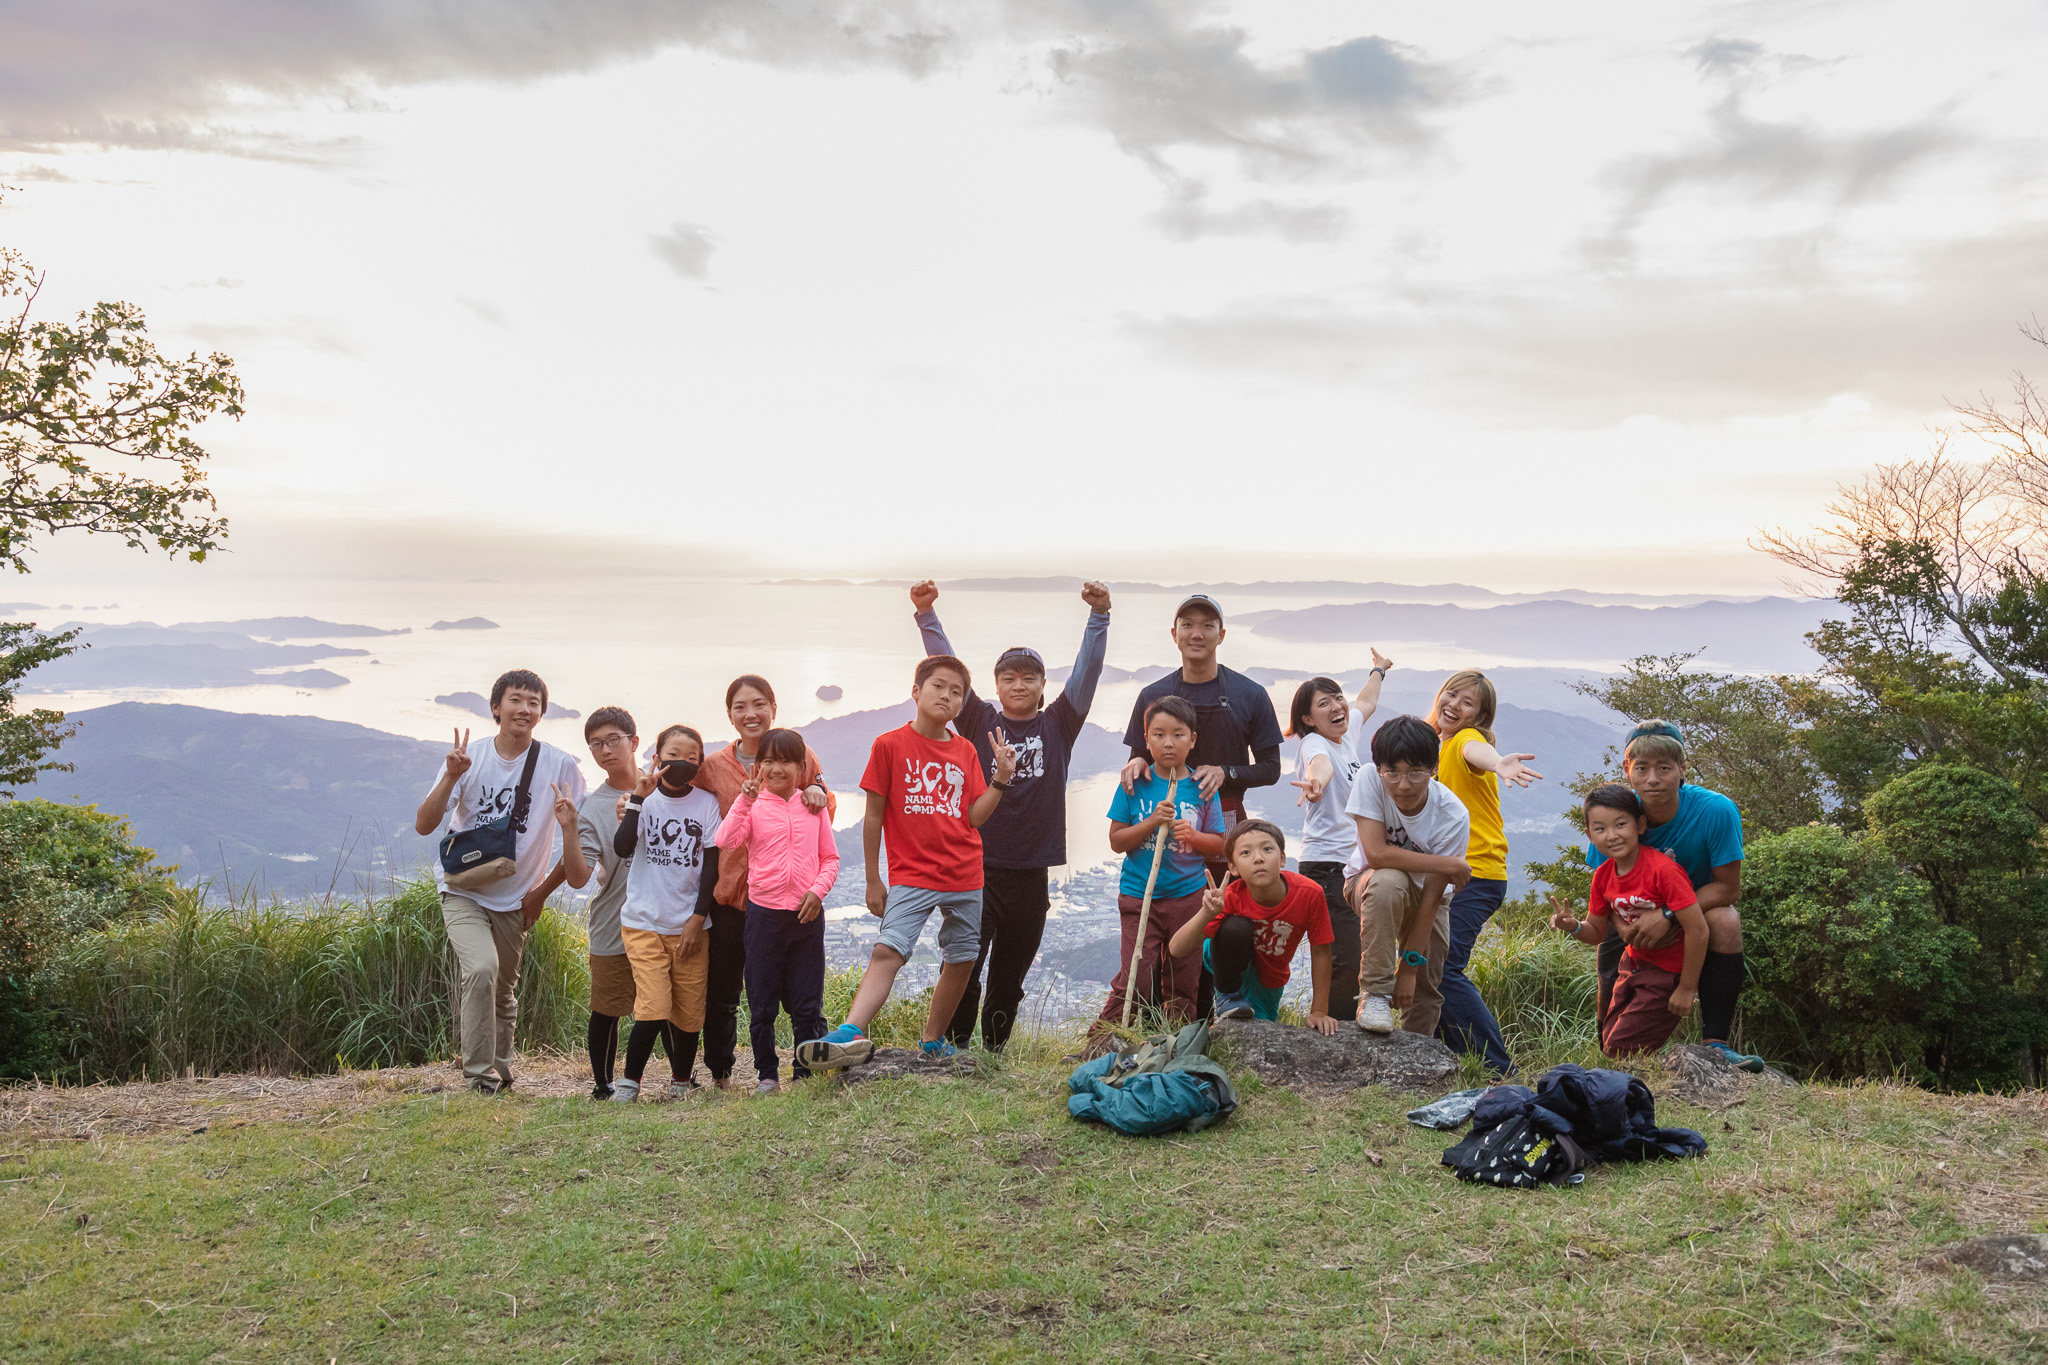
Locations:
(600, 1092)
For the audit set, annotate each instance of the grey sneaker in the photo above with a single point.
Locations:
(767, 1085)
(1376, 1015)
(625, 1091)
(681, 1090)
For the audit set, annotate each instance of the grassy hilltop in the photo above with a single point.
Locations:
(346, 1219)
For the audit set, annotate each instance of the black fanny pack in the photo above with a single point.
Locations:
(487, 853)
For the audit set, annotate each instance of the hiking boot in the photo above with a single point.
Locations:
(1232, 1005)
(625, 1091)
(1376, 1015)
(939, 1047)
(1741, 1061)
(767, 1085)
(843, 1046)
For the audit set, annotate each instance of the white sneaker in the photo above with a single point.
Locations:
(1376, 1015)
(625, 1091)
(767, 1086)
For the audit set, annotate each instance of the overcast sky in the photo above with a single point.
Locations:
(848, 287)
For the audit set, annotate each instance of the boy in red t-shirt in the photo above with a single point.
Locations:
(1247, 929)
(1657, 986)
(927, 797)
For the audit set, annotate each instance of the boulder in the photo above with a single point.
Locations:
(2018, 1256)
(1302, 1059)
(1702, 1076)
(905, 1061)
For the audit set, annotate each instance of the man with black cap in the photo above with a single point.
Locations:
(1237, 732)
(1027, 835)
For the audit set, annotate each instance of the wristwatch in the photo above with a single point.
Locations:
(1669, 915)
(1413, 958)
(1000, 786)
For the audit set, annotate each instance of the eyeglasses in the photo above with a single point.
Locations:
(598, 746)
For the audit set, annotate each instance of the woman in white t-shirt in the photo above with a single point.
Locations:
(668, 829)
(1328, 728)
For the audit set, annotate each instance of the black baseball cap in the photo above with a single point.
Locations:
(1202, 600)
(1017, 654)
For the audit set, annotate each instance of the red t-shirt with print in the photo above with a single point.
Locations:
(1655, 884)
(1303, 909)
(927, 787)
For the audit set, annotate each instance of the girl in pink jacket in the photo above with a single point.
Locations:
(792, 862)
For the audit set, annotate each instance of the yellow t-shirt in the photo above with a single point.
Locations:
(1487, 849)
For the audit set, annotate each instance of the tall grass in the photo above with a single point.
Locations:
(243, 987)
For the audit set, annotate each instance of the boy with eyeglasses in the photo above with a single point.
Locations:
(613, 743)
(1412, 833)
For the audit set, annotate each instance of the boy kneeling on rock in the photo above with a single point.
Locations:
(1248, 928)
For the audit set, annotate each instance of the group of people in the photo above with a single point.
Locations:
(712, 870)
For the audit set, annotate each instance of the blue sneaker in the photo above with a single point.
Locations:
(843, 1046)
(1741, 1061)
(939, 1047)
(1233, 1005)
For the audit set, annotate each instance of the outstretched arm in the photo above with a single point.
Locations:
(1512, 768)
(1079, 689)
(1368, 699)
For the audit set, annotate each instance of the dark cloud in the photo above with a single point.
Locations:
(1761, 160)
(1778, 334)
(686, 249)
(1158, 75)
(112, 72)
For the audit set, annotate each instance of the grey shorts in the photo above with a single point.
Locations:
(909, 907)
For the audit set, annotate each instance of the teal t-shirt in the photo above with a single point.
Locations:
(1180, 873)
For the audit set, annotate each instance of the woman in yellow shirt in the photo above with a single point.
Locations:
(1470, 765)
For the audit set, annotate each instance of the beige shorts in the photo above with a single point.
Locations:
(611, 984)
(667, 982)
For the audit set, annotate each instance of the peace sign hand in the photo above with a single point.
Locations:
(1006, 757)
(643, 786)
(565, 809)
(458, 756)
(751, 788)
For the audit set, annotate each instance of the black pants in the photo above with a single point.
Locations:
(1014, 904)
(724, 975)
(1344, 952)
(785, 970)
(1230, 952)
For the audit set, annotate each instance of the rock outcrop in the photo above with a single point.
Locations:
(1302, 1059)
(904, 1061)
(1702, 1076)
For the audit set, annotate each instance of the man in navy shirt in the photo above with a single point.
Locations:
(1027, 835)
(1237, 733)
(1701, 831)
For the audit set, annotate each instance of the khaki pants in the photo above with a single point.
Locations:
(488, 946)
(1387, 907)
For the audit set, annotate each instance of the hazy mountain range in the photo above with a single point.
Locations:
(294, 805)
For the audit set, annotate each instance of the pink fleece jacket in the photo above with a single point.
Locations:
(790, 849)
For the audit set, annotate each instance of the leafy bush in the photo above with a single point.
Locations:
(283, 989)
(1541, 988)
(1851, 968)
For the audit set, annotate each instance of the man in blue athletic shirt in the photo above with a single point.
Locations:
(1027, 835)
(1701, 831)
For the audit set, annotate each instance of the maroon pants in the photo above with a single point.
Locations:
(1169, 984)
(1638, 1019)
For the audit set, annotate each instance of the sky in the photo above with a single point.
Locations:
(1564, 295)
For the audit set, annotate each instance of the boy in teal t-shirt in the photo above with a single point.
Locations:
(1195, 829)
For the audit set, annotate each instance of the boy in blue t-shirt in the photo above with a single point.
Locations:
(1167, 797)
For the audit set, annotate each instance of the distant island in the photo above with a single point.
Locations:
(831, 692)
(290, 628)
(477, 705)
(466, 623)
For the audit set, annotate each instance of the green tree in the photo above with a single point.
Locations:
(96, 436)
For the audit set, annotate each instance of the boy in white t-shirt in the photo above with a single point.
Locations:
(667, 829)
(1412, 833)
(1329, 730)
(487, 925)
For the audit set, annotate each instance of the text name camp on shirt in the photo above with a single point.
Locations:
(927, 787)
(487, 790)
(668, 860)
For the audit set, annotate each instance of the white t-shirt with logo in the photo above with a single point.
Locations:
(486, 792)
(668, 860)
(1439, 829)
(1328, 834)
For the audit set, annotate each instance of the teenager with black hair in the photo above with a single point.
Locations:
(614, 744)
(487, 925)
(1027, 836)
(1412, 832)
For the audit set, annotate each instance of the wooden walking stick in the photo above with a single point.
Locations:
(1145, 906)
